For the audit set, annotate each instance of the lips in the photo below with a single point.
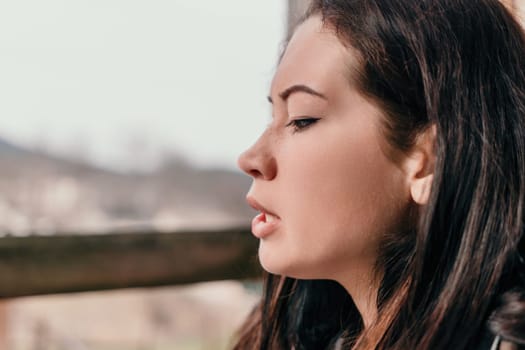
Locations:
(266, 222)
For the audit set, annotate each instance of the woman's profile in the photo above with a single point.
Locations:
(391, 180)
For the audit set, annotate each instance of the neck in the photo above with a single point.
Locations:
(363, 287)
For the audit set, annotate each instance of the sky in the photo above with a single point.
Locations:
(122, 83)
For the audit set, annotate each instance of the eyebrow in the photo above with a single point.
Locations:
(298, 88)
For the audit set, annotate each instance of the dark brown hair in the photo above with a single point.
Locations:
(457, 65)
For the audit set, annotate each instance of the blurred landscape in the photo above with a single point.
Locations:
(90, 88)
(194, 317)
(42, 194)
(45, 194)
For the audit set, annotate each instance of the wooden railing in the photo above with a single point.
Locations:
(72, 263)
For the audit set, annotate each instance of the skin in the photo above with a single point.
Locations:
(330, 182)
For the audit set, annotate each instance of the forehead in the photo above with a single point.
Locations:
(314, 57)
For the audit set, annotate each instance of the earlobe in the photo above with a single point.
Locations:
(420, 166)
(420, 189)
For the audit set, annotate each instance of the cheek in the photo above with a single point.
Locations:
(342, 194)
(341, 175)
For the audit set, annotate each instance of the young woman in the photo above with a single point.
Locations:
(391, 180)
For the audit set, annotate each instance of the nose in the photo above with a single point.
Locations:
(258, 161)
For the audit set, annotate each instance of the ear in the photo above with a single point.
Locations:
(419, 166)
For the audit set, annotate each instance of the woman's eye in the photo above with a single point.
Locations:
(301, 124)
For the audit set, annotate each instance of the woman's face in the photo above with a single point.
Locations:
(319, 168)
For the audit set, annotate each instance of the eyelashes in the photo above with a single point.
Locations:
(301, 124)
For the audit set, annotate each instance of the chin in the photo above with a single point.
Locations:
(270, 265)
(284, 266)
(276, 264)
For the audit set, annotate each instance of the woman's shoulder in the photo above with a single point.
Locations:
(508, 321)
(490, 342)
(505, 345)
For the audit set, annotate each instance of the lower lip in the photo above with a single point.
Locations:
(261, 228)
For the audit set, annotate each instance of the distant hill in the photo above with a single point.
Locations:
(8, 148)
(44, 193)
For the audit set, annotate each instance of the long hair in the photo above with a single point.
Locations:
(457, 274)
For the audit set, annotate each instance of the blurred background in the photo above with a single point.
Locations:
(121, 122)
